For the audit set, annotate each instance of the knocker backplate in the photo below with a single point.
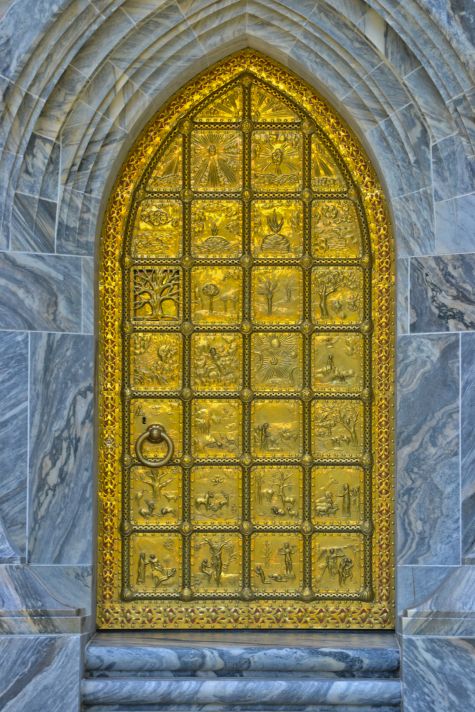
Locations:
(246, 306)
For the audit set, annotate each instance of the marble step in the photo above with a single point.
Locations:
(253, 654)
(228, 693)
(241, 708)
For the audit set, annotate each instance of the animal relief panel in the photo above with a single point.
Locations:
(245, 377)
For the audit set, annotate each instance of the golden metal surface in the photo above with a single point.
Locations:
(246, 307)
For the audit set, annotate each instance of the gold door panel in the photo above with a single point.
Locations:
(245, 377)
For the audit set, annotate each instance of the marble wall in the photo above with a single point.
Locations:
(78, 79)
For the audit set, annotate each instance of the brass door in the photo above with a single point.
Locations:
(246, 371)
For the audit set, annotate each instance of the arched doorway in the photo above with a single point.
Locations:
(246, 370)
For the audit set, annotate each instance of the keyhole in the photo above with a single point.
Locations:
(144, 420)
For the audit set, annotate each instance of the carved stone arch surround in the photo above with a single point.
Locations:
(79, 81)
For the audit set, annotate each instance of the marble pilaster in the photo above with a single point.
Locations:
(468, 446)
(61, 455)
(13, 442)
(439, 674)
(428, 489)
(40, 673)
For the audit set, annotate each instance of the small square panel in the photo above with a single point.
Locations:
(326, 174)
(337, 429)
(216, 495)
(155, 361)
(337, 294)
(216, 228)
(337, 362)
(168, 172)
(337, 495)
(277, 295)
(276, 361)
(216, 295)
(276, 162)
(216, 563)
(155, 495)
(216, 363)
(268, 105)
(225, 106)
(216, 160)
(336, 230)
(276, 495)
(276, 563)
(338, 561)
(216, 428)
(156, 294)
(276, 428)
(158, 229)
(277, 228)
(153, 411)
(155, 563)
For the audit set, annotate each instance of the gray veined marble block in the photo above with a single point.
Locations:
(39, 673)
(40, 292)
(439, 674)
(88, 293)
(454, 170)
(39, 172)
(402, 295)
(33, 224)
(244, 691)
(13, 442)
(442, 294)
(468, 447)
(428, 490)
(414, 218)
(455, 225)
(61, 449)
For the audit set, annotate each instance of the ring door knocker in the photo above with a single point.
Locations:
(155, 434)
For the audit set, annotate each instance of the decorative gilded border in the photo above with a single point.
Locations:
(111, 611)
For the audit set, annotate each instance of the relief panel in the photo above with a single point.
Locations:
(216, 495)
(276, 428)
(216, 428)
(155, 361)
(156, 294)
(337, 294)
(216, 228)
(216, 295)
(168, 173)
(155, 495)
(276, 495)
(276, 563)
(337, 429)
(145, 412)
(216, 163)
(226, 107)
(269, 106)
(277, 362)
(216, 363)
(277, 164)
(326, 174)
(338, 563)
(277, 295)
(337, 362)
(158, 228)
(215, 563)
(337, 495)
(277, 228)
(335, 229)
(155, 563)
